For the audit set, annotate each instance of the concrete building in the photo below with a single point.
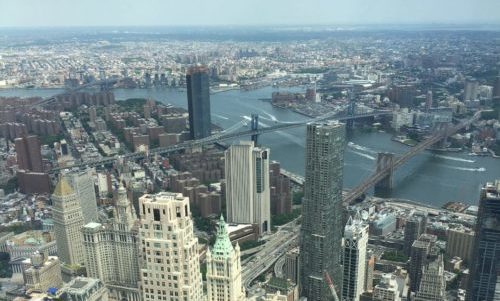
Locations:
(284, 287)
(276, 297)
(82, 182)
(414, 227)
(460, 243)
(112, 251)
(224, 268)
(383, 224)
(321, 229)
(43, 272)
(31, 177)
(402, 118)
(24, 244)
(247, 185)
(281, 191)
(33, 182)
(433, 284)
(198, 93)
(485, 269)
(354, 259)
(291, 266)
(68, 221)
(84, 289)
(170, 267)
(29, 155)
(419, 252)
(370, 267)
(387, 289)
(470, 89)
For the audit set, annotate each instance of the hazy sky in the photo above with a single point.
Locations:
(243, 12)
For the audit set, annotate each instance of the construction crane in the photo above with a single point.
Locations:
(330, 285)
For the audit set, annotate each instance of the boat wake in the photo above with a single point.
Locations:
(479, 169)
(361, 148)
(369, 157)
(220, 116)
(454, 158)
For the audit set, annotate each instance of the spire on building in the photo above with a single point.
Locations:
(222, 246)
(63, 188)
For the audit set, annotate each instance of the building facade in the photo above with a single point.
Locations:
(85, 289)
(198, 93)
(460, 243)
(247, 185)
(419, 252)
(43, 272)
(29, 156)
(170, 268)
(224, 269)
(68, 222)
(281, 191)
(112, 251)
(485, 268)
(322, 213)
(82, 182)
(387, 289)
(433, 284)
(291, 266)
(354, 260)
(414, 227)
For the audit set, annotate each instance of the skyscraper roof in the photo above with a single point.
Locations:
(222, 246)
(63, 188)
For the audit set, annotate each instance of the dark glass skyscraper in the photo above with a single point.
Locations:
(322, 226)
(198, 92)
(484, 283)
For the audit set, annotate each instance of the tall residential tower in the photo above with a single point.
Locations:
(322, 212)
(198, 93)
(484, 283)
(247, 185)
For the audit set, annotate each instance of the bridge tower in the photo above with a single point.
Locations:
(254, 124)
(102, 77)
(441, 127)
(351, 109)
(385, 160)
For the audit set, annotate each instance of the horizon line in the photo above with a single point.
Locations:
(429, 24)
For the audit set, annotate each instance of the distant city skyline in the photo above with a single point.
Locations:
(57, 13)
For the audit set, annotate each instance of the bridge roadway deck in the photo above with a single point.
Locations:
(47, 100)
(217, 138)
(378, 176)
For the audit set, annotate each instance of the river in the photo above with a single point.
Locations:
(433, 179)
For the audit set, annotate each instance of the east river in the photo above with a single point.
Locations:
(429, 178)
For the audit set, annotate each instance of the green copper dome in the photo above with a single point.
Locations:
(222, 246)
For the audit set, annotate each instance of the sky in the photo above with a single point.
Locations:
(34, 13)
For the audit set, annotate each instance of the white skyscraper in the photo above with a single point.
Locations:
(82, 183)
(68, 222)
(170, 268)
(112, 251)
(224, 269)
(355, 242)
(247, 185)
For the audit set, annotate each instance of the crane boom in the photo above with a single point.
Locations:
(330, 285)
